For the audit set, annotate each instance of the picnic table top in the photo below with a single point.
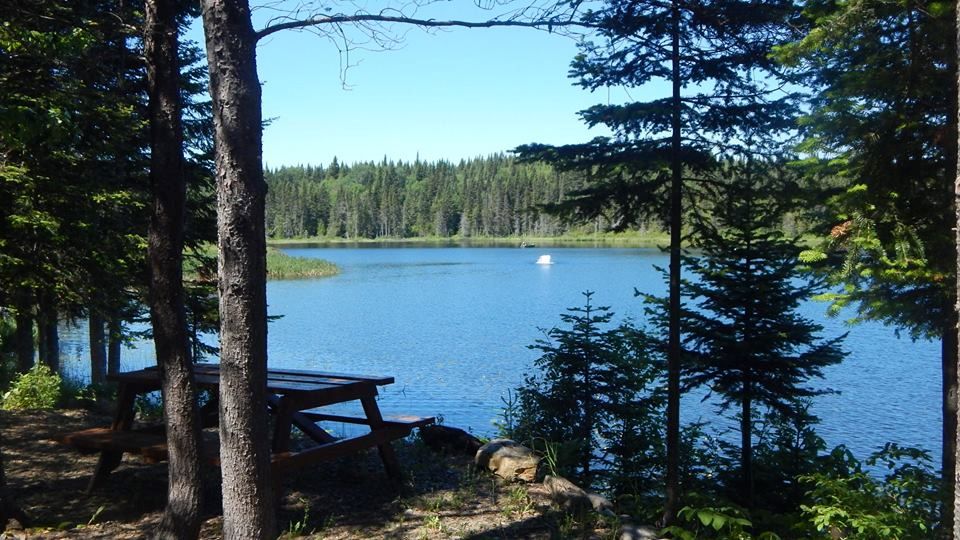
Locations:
(279, 380)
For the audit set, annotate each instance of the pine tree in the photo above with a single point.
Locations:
(592, 398)
(884, 124)
(715, 56)
(746, 340)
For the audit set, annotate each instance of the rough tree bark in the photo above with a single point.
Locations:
(746, 445)
(181, 518)
(114, 344)
(48, 337)
(24, 333)
(98, 348)
(954, 524)
(248, 502)
(673, 340)
(948, 370)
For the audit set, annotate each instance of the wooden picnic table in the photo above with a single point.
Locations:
(295, 398)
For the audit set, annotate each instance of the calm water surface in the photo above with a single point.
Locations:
(452, 325)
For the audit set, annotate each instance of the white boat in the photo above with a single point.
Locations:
(544, 259)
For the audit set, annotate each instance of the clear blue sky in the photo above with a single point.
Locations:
(445, 95)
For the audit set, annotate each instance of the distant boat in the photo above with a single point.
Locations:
(544, 259)
(526, 245)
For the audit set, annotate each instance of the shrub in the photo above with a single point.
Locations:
(722, 523)
(38, 388)
(854, 503)
(592, 403)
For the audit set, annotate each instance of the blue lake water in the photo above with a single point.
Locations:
(452, 325)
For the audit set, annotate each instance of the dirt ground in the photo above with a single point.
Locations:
(442, 496)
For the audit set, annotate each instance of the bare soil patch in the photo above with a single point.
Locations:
(441, 497)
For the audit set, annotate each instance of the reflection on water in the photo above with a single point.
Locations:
(452, 325)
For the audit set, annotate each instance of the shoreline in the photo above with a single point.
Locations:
(639, 240)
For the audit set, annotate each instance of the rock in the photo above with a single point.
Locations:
(567, 495)
(509, 460)
(13, 531)
(450, 439)
(572, 498)
(601, 505)
(629, 531)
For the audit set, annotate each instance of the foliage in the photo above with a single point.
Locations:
(883, 125)
(724, 101)
(786, 448)
(593, 401)
(724, 522)
(744, 338)
(38, 388)
(493, 196)
(852, 503)
(74, 193)
(727, 101)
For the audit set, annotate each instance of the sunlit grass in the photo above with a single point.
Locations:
(283, 266)
(279, 265)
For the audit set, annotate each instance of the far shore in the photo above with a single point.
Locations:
(633, 239)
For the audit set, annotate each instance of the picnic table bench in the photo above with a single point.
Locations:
(295, 398)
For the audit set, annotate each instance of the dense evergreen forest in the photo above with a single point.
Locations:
(492, 196)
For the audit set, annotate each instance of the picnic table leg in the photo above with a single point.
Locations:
(283, 410)
(387, 455)
(122, 421)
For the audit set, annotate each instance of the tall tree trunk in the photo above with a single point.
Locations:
(248, 502)
(114, 344)
(746, 445)
(948, 355)
(673, 346)
(98, 347)
(954, 523)
(24, 333)
(48, 335)
(181, 518)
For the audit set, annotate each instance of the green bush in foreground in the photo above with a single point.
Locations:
(38, 388)
(853, 503)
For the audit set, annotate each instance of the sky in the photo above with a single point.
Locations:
(452, 94)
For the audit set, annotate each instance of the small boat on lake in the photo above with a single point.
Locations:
(544, 259)
(526, 245)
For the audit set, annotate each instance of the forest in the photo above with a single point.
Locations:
(128, 152)
(484, 197)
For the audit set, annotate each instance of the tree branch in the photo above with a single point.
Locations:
(549, 24)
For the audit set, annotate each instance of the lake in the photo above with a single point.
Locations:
(452, 325)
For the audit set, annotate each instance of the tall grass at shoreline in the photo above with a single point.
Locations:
(283, 266)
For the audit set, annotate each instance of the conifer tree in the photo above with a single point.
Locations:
(884, 125)
(744, 336)
(723, 84)
(593, 399)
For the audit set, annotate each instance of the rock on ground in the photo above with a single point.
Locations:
(509, 460)
(450, 439)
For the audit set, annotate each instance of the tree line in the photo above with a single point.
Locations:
(493, 196)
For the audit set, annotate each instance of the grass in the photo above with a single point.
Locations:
(281, 266)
